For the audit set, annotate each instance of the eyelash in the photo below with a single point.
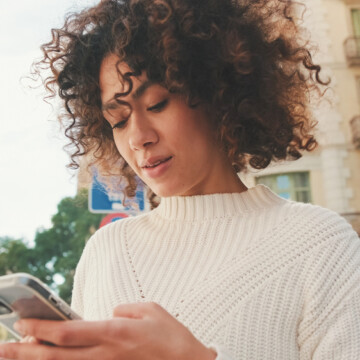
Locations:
(159, 106)
(119, 125)
(156, 108)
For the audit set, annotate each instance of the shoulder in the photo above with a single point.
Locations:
(118, 229)
(304, 228)
(299, 219)
(302, 218)
(323, 246)
(327, 244)
(317, 221)
(330, 266)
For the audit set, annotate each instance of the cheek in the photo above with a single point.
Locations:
(121, 147)
(199, 136)
(118, 145)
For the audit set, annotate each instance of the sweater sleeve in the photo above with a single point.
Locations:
(330, 327)
(342, 338)
(77, 299)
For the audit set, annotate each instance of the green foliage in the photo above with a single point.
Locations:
(60, 247)
(57, 250)
(15, 256)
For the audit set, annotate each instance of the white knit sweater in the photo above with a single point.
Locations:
(253, 275)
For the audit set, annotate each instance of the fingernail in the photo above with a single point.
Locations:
(18, 327)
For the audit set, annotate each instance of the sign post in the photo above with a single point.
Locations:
(109, 218)
(103, 201)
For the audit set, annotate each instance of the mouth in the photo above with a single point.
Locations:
(156, 167)
(157, 163)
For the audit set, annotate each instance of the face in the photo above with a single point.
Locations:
(169, 145)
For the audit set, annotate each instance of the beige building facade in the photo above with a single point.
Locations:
(330, 176)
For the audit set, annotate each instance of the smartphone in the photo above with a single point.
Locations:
(24, 296)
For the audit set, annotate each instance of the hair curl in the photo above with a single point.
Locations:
(245, 59)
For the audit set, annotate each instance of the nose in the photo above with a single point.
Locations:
(142, 133)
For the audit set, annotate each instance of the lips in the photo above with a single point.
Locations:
(152, 163)
(156, 167)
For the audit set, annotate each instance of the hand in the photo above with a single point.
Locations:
(142, 331)
(30, 340)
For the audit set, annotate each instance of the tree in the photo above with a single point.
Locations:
(15, 256)
(57, 250)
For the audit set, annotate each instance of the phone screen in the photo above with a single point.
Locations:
(4, 309)
(26, 304)
(34, 308)
(24, 296)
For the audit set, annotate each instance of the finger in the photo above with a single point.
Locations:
(137, 310)
(30, 339)
(24, 351)
(64, 333)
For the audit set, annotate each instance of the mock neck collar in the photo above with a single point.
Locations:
(202, 207)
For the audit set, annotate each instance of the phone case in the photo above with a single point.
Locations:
(25, 296)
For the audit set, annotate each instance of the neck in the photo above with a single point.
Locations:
(221, 179)
(200, 207)
(224, 178)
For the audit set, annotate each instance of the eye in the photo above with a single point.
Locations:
(120, 117)
(119, 125)
(159, 106)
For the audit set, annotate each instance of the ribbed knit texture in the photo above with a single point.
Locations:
(253, 275)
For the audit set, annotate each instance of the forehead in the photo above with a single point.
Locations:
(111, 82)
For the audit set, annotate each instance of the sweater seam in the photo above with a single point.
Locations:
(337, 309)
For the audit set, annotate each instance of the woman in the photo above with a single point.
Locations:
(184, 95)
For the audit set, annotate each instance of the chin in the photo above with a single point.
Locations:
(166, 192)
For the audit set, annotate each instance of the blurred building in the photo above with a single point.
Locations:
(84, 177)
(330, 176)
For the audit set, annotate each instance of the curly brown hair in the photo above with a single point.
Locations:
(245, 59)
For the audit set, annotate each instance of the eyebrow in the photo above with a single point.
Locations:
(141, 89)
(111, 105)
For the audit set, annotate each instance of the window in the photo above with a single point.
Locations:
(357, 79)
(355, 17)
(292, 186)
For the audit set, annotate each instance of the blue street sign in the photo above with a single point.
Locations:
(102, 200)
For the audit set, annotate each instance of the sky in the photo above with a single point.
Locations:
(33, 173)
